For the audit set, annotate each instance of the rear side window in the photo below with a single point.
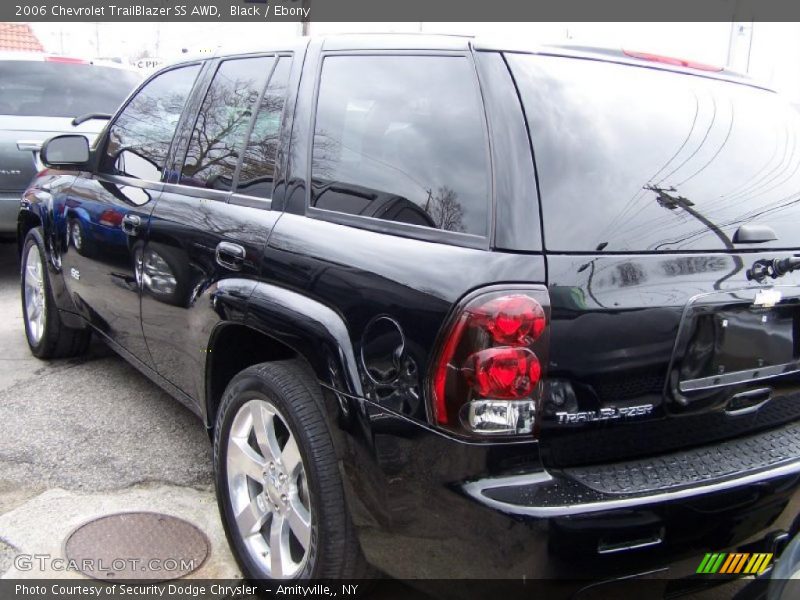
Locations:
(258, 159)
(139, 139)
(62, 89)
(402, 138)
(640, 159)
(223, 121)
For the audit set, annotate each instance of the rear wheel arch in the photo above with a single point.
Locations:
(282, 324)
(233, 348)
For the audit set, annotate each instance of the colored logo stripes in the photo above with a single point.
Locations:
(734, 562)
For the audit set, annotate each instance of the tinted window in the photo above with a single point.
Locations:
(222, 123)
(140, 137)
(402, 138)
(258, 162)
(658, 160)
(58, 89)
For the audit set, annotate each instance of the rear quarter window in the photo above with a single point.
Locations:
(641, 159)
(402, 139)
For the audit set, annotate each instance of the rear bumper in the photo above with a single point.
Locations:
(729, 465)
(429, 507)
(9, 208)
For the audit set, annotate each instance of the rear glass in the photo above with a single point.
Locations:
(640, 159)
(57, 89)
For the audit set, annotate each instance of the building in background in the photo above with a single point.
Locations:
(19, 37)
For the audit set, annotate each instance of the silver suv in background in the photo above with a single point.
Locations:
(40, 95)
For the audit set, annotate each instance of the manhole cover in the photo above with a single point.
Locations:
(136, 545)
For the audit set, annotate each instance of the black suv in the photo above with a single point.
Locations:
(449, 309)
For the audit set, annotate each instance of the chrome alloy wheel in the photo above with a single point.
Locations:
(33, 279)
(268, 489)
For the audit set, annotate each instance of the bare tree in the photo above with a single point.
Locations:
(445, 209)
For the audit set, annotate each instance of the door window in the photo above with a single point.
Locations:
(402, 138)
(140, 138)
(223, 122)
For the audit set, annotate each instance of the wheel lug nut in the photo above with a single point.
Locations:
(284, 498)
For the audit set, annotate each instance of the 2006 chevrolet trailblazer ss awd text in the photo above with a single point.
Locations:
(447, 308)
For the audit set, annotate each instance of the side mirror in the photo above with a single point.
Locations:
(66, 152)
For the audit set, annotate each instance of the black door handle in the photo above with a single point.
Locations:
(131, 223)
(230, 255)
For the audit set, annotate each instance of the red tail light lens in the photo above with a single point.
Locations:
(488, 375)
(503, 373)
(511, 319)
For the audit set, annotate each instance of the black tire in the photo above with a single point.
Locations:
(334, 552)
(57, 340)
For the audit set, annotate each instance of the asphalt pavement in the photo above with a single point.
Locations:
(85, 437)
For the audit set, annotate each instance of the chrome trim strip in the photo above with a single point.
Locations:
(29, 145)
(476, 490)
(614, 548)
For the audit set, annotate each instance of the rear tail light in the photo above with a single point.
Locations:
(488, 376)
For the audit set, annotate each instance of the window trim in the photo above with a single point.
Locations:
(101, 152)
(238, 197)
(421, 232)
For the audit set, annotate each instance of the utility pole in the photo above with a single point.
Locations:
(740, 46)
(667, 198)
(305, 24)
(673, 202)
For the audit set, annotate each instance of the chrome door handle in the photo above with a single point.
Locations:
(230, 256)
(131, 223)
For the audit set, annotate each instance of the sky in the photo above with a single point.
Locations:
(769, 52)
